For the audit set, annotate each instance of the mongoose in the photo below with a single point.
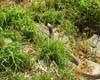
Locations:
(50, 27)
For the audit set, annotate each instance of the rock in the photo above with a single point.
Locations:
(57, 34)
(41, 66)
(42, 29)
(29, 49)
(95, 44)
(95, 41)
(96, 67)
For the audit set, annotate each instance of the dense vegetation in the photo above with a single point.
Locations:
(18, 27)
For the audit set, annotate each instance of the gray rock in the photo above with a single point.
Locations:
(94, 41)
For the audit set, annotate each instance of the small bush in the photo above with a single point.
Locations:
(88, 16)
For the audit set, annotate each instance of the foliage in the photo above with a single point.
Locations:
(89, 16)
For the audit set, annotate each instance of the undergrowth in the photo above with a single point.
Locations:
(17, 27)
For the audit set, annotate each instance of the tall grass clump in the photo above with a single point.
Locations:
(15, 18)
(12, 57)
(40, 12)
(68, 27)
(13, 35)
(66, 73)
(36, 9)
(52, 50)
(52, 16)
(15, 27)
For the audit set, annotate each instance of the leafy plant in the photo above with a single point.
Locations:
(88, 16)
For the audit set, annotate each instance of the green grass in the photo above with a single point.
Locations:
(17, 26)
(52, 50)
(41, 77)
(10, 75)
(68, 27)
(16, 19)
(12, 57)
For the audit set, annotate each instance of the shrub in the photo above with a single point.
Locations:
(88, 16)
